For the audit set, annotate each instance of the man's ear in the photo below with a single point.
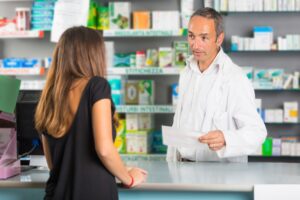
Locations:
(220, 39)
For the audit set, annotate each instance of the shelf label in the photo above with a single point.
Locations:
(150, 32)
(145, 109)
(22, 34)
(22, 71)
(144, 71)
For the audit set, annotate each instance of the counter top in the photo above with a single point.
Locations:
(189, 176)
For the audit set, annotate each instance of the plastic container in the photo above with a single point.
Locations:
(140, 59)
(23, 19)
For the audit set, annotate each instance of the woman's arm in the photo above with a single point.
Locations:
(107, 153)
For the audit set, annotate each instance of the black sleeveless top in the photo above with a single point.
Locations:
(77, 171)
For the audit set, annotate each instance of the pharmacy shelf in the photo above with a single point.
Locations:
(143, 157)
(265, 51)
(291, 159)
(162, 157)
(22, 71)
(258, 12)
(143, 71)
(32, 85)
(277, 90)
(145, 108)
(16, 0)
(144, 33)
(21, 34)
(282, 123)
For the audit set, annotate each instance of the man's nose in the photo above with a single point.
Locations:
(197, 43)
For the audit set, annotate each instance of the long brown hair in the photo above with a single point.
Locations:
(80, 53)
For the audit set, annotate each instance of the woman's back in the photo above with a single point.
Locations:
(77, 171)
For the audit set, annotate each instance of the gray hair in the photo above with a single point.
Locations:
(211, 13)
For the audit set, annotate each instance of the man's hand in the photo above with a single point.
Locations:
(214, 139)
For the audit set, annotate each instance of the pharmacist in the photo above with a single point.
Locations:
(215, 98)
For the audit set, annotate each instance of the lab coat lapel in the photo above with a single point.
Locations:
(214, 100)
(186, 77)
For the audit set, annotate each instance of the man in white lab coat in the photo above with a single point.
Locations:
(215, 98)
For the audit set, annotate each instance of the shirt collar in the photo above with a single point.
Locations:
(213, 67)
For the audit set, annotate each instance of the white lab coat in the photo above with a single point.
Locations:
(230, 108)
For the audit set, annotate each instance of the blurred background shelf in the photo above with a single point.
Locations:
(21, 34)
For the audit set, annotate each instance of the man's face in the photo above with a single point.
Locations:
(202, 38)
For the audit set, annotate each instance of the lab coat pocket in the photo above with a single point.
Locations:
(221, 121)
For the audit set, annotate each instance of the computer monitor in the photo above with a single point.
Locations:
(27, 135)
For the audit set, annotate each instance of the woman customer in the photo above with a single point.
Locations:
(75, 116)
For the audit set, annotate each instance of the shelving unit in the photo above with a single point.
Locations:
(258, 12)
(273, 51)
(125, 40)
(287, 159)
(239, 23)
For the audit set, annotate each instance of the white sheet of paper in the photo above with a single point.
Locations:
(68, 13)
(180, 137)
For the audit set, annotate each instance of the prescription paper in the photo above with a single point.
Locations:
(178, 137)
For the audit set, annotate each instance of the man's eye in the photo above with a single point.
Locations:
(204, 38)
(191, 36)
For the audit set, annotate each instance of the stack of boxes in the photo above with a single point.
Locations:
(18, 63)
(289, 113)
(116, 84)
(284, 146)
(42, 14)
(157, 143)
(263, 37)
(134, 134)
(139, 92)
(139, 133)
(161, 20)
(272, 78)
(117, 15)
(262, 40)
(163, 57)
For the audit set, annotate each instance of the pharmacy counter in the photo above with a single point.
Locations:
(187, 180)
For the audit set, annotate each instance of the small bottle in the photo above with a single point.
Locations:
(140, 59)
(23, 19)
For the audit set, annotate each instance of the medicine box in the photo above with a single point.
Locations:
(142, 121)
(141, 20)
(138, 142)
(290, 112)
(119, 15)
(132, 92)
(146, 92)
(120, 141)
(181, 49)
(165, 56)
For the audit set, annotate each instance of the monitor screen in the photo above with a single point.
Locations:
(27, 136)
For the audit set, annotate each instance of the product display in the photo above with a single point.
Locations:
(146, 50)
